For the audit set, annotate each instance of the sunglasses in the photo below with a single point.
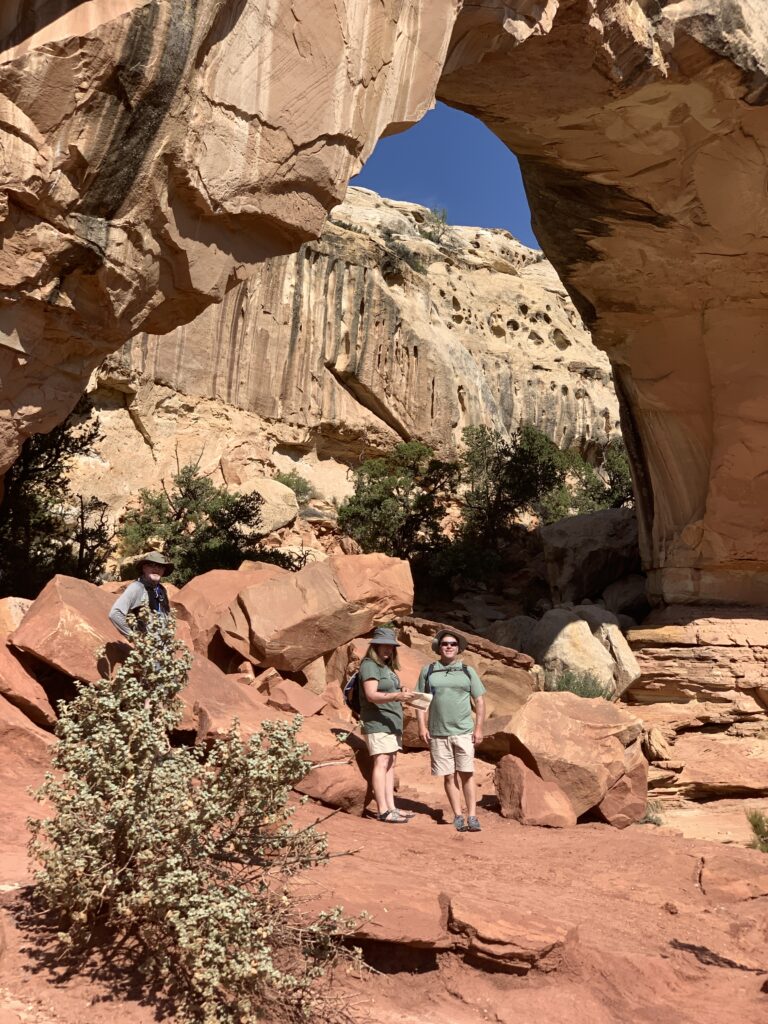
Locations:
(449, 643)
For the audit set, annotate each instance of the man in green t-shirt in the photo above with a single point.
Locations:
(449, 728)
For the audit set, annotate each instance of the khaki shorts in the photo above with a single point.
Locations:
(451, 754)
(383, 742)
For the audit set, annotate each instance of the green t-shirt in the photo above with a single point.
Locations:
(380, 717)
(450, 713)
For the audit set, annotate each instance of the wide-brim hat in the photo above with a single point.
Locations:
(449, 632)
(382, 635)
(154, 558)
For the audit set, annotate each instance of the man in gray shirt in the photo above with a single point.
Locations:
(146, 592)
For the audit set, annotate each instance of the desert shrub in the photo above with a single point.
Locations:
(652, 815)
(45, 528)
(400, 501)
(179, 856)
(435, 225)
(300, 486)
(758, 821)
(583, 684)
(402, 252)
(199, 526)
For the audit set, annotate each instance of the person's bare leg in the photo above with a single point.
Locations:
(379, 781)
(453, 793)
(390, 782)
(470, 792)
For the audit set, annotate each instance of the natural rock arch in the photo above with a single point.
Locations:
(156, 150)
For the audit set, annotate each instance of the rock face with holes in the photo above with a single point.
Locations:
(373, 334)
(156, 151)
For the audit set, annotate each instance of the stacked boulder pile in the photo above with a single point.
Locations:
(269, 644)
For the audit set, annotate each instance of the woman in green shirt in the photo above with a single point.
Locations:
(381, 714)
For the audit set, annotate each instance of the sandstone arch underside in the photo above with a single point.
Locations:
(155, 152)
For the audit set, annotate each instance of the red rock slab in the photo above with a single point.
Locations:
(20, 687)
(721, 766)
(626, 800)
(515, 938)
(66, 626)
(25, 752)
(202, 601)
(724, 880)
(289, 622)
(286, 695)
(340, 785)
(529, 799)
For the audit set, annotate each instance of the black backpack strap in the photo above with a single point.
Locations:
(466, 672)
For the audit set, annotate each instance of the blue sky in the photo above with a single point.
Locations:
(451, 161)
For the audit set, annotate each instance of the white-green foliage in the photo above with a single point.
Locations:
(183, 853)
(583, 684)
(758, 821)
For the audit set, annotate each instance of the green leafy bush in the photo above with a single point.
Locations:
(402, 252)
(400, 501)
(583, 684)
(45, 528)
(300, 486)
(199, 526)
(758, 821)
(180, 856)
(506, 477)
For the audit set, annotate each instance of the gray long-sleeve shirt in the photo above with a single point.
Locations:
(133, 597)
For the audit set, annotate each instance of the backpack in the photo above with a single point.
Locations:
(352, 688)
(352, 694)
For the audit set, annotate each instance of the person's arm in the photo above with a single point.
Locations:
(371, 690)
(421, 716)
(476, 691)
(125, 603)
(477, 732)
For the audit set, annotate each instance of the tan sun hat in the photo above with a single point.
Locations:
(448, 632)
(154, 558)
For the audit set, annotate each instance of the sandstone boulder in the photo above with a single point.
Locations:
(605, 628)
(279, 505)
(626, 800)
(339, 784)
(628, 596)
(529, 799)
(577, 743)
(561, 642)
(202, 601)
(513, 632)
(288, 622)
(585, 554)
(286, 695)
(12, 611)
(19, 686)
(25, 752)
(66, 627)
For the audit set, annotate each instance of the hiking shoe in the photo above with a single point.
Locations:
(458, 823)
(392, 818)
(473, 825)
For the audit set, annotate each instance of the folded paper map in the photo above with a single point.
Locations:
(419, 701)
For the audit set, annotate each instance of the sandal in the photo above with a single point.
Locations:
(404, 814)
(392, 818)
